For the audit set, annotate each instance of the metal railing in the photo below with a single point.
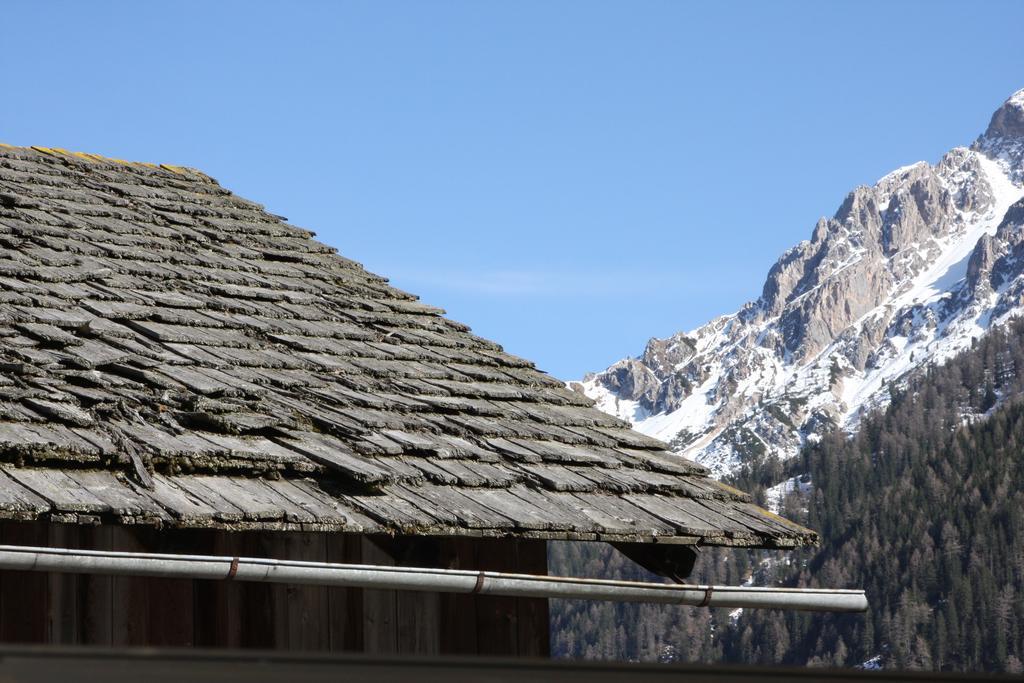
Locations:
(214, 567)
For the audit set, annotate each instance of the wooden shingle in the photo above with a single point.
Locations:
(171, 354)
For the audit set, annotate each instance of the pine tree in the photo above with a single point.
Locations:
(923, 507)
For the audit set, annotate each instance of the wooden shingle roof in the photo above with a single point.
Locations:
(172, 354)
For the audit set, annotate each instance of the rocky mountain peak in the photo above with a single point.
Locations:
(1008, 120)
(908, 271)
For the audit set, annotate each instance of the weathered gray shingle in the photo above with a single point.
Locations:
(172, 354)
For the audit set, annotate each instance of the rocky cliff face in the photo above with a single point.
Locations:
(907, 272)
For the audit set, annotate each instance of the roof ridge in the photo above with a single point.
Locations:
(88, 157)
(173, 354)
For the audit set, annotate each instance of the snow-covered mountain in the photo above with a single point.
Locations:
(909, 271)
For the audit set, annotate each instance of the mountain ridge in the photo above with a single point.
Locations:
(908, 271)
(923, 507)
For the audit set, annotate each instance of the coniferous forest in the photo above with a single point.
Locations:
(923, 506)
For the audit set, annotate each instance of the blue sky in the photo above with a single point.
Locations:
(569, 178)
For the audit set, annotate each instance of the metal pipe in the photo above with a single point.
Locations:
(214, 567)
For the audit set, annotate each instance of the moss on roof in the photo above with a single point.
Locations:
(172, 354)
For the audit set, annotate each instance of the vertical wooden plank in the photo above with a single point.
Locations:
(256, 600)
(217, 604)
(130, 594)
(496, 616)
(171, 612)
(234, 614)
(63, 606)
(171, 601)
(458, 630)
(300, 613)
(380, 635)
(23, 595)
(345, 605)
(306, 609)
(277, 546)
(418, 613)
(418, 622)
(96, 593)
(532, 617)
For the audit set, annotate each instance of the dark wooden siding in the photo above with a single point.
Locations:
(71, 609)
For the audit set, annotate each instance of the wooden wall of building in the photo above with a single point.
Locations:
(116, 611)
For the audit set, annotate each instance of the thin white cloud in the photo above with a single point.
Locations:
(569, 283)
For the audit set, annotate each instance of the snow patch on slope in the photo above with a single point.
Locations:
(776, 494)
(939, 283)
(892, 265)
